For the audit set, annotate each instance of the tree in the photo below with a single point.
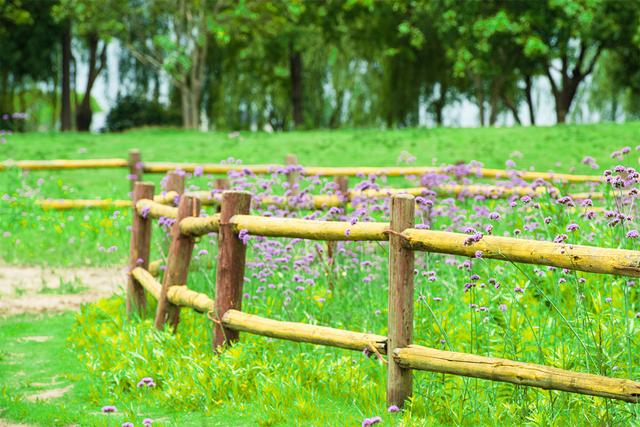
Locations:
(574, 34)
(94, 23)
(181, 52)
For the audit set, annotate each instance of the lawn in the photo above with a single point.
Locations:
(572, 320)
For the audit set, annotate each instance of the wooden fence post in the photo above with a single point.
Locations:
(174, 182)
(177, 263)
(293, 176)
(136, 171)
(231, 259)
(221, 184)
(342, 183)
(140, 248)
(400, 320)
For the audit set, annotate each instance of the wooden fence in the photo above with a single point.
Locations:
(403, 356)
(137, 168)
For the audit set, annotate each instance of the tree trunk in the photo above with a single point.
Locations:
(528, 92)
(565, 99)
(295, 73)
(512, 107)
(439, 104)
(4, 93)
(54, 103)
(493, 105)
(65, 100)
(84, 114)
(334, 120)
(186, 105)
(570, 80)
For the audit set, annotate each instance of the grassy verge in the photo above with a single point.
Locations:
(576, 321)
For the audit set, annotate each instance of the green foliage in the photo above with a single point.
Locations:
(135, 111)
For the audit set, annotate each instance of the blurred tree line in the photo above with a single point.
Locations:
(288, 64)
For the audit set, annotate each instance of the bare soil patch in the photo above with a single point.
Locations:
(50, 290)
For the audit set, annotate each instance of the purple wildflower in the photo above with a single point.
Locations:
(243, 235)
(371, 421)
(573, 227)
(393, 408)
(502, 307)
(108, 409)
(127, 424)
(145, 212)
(633, 234)
(147, 422)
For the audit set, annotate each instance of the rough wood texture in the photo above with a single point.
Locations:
(174, 183)
(293, 176)
(342, 184)
(231, 259)
(155, 210)
(177, 295)
(209, 168)
(146, 279)
(82, 203)
(135, 167)
(310, 229)
(140, 249)
(200, 226)
(154, 267)
(221, 184)
(490, 368)
(532, 176)
(163, 167)
(574, 257)
(68, 164)
(177, 264)
(184, 297)
(400, 317)
(302, 332)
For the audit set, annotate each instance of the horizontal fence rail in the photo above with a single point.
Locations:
(178, 295)
(65, 164)
(302, 332)
(209, 198)
(413, 356)
(592, 259)
(529, 374)
(137, 167)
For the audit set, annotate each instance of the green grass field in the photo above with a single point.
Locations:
(572, 320)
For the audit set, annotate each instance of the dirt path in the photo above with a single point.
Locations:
(43, 289)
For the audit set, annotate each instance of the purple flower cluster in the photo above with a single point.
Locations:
(371, 421)
(146, 382)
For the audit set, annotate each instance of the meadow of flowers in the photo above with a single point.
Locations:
(572, 320)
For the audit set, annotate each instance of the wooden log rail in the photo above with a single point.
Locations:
(504, 370)
(592, 259)
(146, 207)
(574, 257)
(302, 332)
(410, 357)
(163, 167)
(66, 164)
(178, 295)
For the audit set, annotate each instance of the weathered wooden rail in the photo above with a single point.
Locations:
(209, 198)
(403, 356)
(137, 167)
